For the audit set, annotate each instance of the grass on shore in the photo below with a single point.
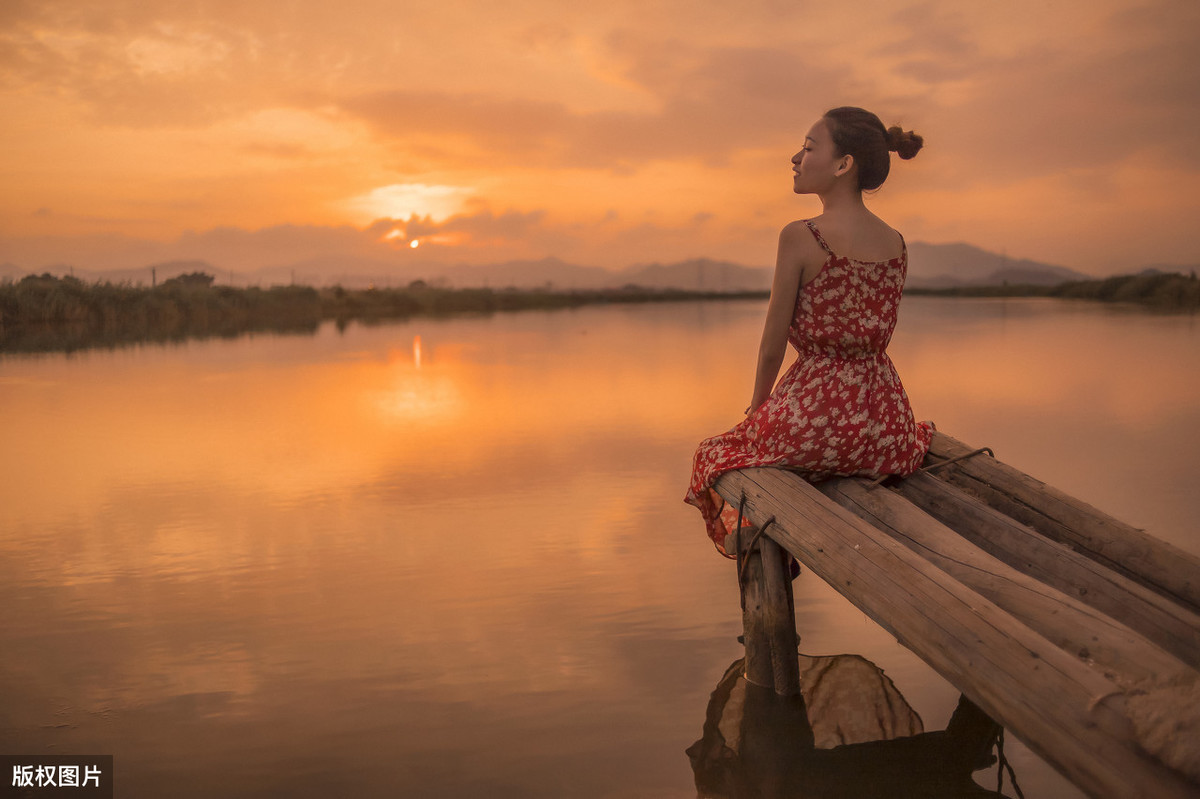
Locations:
(47, 313)
(1161, 290)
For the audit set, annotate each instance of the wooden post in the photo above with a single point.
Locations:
(768, 617)
(759, 670)
(780, 617)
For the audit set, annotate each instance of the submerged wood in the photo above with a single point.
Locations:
(1167, 624)
(1063, 709)
(1156, 564)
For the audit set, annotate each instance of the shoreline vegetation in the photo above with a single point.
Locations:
(44, 313)
(1163, 291)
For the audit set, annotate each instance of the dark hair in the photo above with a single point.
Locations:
(860, 134)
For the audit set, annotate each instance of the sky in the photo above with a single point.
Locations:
(609, 134)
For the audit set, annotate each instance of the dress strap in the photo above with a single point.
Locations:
(817, 234)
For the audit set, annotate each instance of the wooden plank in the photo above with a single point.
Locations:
(1062, 709)
(1095, 638)
(1156, 564)
(1169, 625)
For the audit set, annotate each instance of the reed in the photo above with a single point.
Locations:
(1161, 291)
(48, 313)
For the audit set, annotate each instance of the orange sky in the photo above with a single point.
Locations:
(258, 133)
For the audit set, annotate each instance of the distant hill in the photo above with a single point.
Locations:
(701, 274)
(949, 265)
(931, 266)
(544, 273)
(1167, 269)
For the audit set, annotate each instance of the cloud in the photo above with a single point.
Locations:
(480, 236)
(1088, 104)
(163, 77)
(229, 114)
(469, 235)
(402, 200)
(709, 105)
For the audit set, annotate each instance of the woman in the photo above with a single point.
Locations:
(840, 409)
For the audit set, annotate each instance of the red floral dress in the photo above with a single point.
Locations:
(840, 409)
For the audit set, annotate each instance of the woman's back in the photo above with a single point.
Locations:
(860, 238)
(849, 309)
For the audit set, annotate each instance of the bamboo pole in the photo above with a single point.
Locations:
(1156, 564)
(1096, 639)
(1061, 708)
(1167, 624)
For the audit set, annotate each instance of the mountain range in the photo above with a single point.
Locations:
(930, 266)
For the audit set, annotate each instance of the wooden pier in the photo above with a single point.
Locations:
(1075, 631)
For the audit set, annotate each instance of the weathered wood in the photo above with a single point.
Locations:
(1061, 708)
(1156, 564)
(768, 613)
(1171, 626)
(1096, 639)
(755, 638)
(780, 618)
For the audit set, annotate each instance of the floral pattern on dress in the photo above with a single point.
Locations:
(840, 409)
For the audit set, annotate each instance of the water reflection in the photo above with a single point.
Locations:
(72, 337)
(850, 734)
(474, 577)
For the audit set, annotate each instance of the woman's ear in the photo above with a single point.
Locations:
(844, 165)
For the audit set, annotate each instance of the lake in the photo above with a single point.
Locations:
(450, 557)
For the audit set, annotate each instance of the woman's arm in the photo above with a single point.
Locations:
(795, 265)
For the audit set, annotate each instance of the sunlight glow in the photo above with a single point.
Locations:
(414, 243)
(406, 200)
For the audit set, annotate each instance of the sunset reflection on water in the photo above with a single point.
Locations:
(388, 549)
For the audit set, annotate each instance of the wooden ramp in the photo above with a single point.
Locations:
(1075, 631)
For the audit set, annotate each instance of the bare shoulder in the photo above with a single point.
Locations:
(797, 228)
(800, 254)
(798, 238)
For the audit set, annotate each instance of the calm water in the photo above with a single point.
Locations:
(451, 558)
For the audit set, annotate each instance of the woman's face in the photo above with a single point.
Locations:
(816, 166)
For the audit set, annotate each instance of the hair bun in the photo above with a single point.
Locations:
(903, 143)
